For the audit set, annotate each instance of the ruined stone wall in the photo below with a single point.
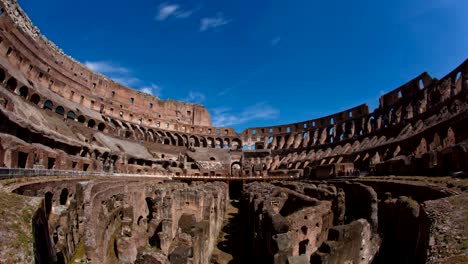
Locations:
(346, 222)
(109, 221)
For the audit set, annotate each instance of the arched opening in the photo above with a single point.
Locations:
(48, 203)
(236, 169)
(35, 98)
(71, 115)
(303, 246)
(23, 91)
(81, 119)
(11, 84)
(150, 205)
(48, 105)
(91, 123)
(59, 110)
(154, 240)
(101, 127)
(204, 143)
(64, 196)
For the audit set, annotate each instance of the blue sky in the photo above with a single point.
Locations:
(263, 62)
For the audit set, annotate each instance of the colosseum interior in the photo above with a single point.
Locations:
(95, 172)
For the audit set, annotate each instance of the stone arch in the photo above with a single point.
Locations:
(91, 123)
(101, 126)
(210, 142)
(81, 119)
(194, 141)
(236, 169)
(48, 105)
(60, 110)
(150, 134)
(186, 140)
(227, 143)
(203, 142)
(35, 98)
(219, 143)
(23, 91)
(180, 141)
(236, 144)
(171, 138)
(71, 115)
(11, 84)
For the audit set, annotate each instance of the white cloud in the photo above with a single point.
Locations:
(151, 89)
(123, 75)
(126, 80)
(166, 11)
(275, 41)
(105, 67)
(195, 97)
(217, 21)
(223, 117)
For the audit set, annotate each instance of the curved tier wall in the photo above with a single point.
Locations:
(60, 115)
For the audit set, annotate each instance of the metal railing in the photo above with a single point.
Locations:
(8, 173)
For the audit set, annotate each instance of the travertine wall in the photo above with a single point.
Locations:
(125, 220)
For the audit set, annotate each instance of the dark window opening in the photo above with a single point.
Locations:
(9, 51)
(64, 196)
(48, 105)
(23, 91)
(2, 75)
(85, 167)
(71, 115)
(35, 99)
(22, 159)
(51, 163)
(303, 246)
(81, 119)
(48, 203)
(11, 84)
(59, 110)
(91, 123)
